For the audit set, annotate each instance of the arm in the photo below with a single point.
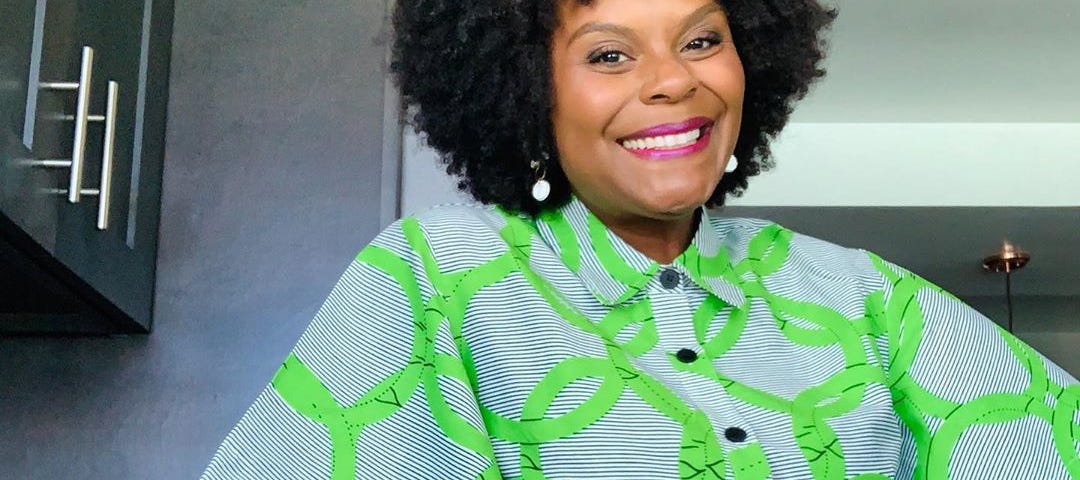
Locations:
(372, 389)
(978, 402)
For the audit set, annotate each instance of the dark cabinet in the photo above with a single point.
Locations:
(83, 88)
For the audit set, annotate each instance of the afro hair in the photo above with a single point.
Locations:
(475, 76)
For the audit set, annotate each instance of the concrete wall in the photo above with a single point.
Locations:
(921, 164)
(271, 185)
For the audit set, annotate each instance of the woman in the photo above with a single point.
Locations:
(592, 320)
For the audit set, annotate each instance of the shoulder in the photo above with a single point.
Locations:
(804, 255)
(465, 220)
(450, 236)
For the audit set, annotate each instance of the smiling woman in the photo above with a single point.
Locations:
(633, 84)
(615, 329)
(486, 77)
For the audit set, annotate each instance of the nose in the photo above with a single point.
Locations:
(669, 81)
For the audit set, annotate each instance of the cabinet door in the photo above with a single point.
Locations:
(131, 43)
(25, 196)
(111, 249)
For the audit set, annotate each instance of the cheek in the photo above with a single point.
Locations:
(733, 85)
(586, 103)
(726, 78)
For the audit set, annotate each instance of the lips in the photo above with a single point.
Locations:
(685, 126)
(670, 140)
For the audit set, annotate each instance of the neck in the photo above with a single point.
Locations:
(662, 240)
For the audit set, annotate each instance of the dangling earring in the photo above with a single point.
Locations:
(541, 189)
(732, 164)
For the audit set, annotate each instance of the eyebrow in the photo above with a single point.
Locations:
(701, 13)
(594, 27)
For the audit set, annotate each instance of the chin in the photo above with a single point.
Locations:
(674, 206)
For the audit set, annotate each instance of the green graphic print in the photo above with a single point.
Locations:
(893, 317)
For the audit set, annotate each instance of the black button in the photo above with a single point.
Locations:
(735, 434)
(686, 355)
(669, 278)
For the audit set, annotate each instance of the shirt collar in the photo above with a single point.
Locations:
(614, 271)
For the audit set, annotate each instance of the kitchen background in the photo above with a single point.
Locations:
(258, 148)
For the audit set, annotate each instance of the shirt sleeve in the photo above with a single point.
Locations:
(375, 387)
(978, 403)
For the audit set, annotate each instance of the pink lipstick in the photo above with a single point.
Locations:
(670, 140)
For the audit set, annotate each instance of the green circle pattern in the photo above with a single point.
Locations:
(701, 456)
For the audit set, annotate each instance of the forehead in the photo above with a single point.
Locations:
(574, 13)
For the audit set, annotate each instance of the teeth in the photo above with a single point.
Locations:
(666, 141)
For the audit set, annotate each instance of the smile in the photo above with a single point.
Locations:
(666, 141)
(670, 140)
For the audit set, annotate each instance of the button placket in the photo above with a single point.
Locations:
(673, 315)
(671, 308)
(730, 427)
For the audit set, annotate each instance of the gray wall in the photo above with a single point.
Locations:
(272, 184)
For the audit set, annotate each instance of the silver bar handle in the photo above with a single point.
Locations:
(108, 147)
(82, 116)
(82, 111)
(47, 163)
(104, 192)
(59, 86)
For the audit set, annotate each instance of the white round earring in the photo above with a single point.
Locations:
(541, 189)
(732, 164)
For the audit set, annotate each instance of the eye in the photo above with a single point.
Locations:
(704, 42)
(609, 57)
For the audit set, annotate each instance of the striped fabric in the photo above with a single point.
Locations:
(468, 343)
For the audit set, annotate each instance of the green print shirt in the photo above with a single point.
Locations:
(468, 343)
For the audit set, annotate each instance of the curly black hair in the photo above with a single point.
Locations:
(476, 78)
